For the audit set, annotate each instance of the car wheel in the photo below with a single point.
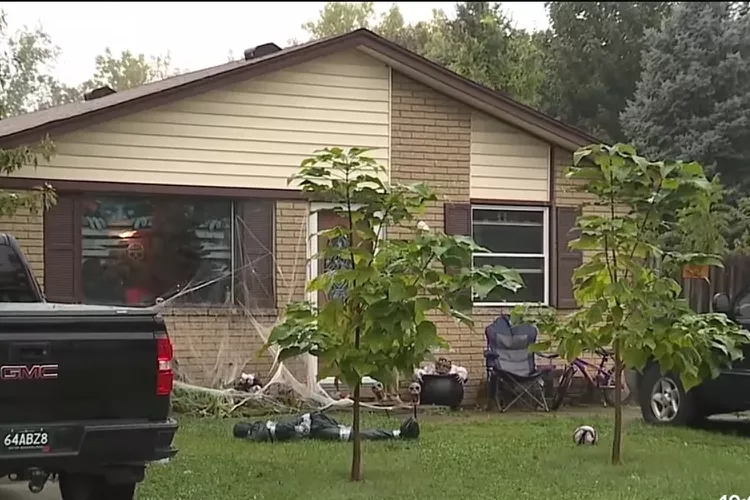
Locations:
(664, 401)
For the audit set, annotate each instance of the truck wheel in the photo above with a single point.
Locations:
(124, 491)
(93, 487)
(664, 401)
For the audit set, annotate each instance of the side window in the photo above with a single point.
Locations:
(14, 282)
(742, 306)
(516, 237)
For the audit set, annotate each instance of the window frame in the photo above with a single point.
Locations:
(156, 198)
(545, 250)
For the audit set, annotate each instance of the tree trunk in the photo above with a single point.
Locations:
(356, 438)
(617, 442)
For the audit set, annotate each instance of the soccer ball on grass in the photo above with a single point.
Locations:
(585, 434)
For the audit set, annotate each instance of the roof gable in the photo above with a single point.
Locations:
(70, 117)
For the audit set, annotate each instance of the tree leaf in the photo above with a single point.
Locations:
(397, 291)
(540, 346)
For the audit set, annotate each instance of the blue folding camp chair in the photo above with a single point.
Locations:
(512, 374)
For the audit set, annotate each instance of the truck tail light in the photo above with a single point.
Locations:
(164, 357)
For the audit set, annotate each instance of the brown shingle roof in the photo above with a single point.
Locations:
(69, 117)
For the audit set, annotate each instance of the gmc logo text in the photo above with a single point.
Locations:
(22, 372)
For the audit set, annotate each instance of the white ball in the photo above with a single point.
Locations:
(585, 434)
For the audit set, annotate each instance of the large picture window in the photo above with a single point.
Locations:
(135, 249)
(517, 237)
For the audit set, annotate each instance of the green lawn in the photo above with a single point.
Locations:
(469, 457)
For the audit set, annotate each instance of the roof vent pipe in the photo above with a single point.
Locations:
(261, 51)
(99, 92)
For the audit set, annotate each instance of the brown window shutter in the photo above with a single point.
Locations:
(255, 258)
(567, 260)
(62, 250)
(458, 222)
(457, 218)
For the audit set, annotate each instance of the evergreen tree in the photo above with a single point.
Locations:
(693, 99)
(593, 54)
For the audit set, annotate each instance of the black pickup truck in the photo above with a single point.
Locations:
(84, 390)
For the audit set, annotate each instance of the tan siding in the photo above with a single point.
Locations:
(507, 164)
(252, 134)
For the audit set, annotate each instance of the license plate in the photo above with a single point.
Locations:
(26, 440)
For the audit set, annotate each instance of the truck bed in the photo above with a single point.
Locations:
(70, 362)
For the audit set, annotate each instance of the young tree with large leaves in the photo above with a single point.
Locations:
(383, 323)
(593, 51)
(627, 293)
(693, 98)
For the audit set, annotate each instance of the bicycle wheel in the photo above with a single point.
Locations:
(607, 386)
(562, 388)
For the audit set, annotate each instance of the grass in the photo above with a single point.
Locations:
(469, 457)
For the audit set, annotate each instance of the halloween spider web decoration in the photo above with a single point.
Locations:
(274, 393)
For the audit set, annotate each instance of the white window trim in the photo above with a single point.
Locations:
(312, 272)
(545, 254)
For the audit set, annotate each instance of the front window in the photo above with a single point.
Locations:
(517, 238)
(137, 249)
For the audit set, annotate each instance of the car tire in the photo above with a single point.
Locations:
(631, 378)
(93, 487)
(663, 399)
(120, 491)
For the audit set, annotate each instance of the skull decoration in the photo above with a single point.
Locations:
(414, 391)
(443, 366)
(379, 391)
(248, 382)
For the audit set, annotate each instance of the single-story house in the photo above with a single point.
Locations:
(185, 180)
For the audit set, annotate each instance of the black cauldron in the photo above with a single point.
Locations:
(442, 390)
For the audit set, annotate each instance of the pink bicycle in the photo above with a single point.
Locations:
(603, 380)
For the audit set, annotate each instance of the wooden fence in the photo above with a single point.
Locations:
(731, 280)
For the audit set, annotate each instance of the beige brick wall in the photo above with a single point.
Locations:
(291, 250)
(211, 342)
(28, 229)
(291, 263)
(566, 193)
(431, 142)
(213, 345)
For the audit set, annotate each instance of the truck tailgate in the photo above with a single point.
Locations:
(66, 363)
